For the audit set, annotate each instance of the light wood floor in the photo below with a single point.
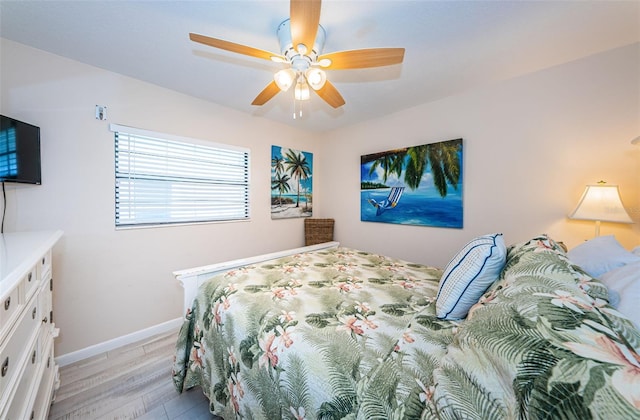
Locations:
(132, 382)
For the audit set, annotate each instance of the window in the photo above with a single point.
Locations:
(162, 179)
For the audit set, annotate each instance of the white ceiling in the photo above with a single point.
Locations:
(451, 46)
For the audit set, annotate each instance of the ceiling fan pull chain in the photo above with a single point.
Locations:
(297, 109)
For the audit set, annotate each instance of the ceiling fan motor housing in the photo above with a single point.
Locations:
(299, 62)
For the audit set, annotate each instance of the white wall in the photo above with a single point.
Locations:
(110, 283)
(531, 144)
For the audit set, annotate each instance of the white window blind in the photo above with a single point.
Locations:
(161, 179)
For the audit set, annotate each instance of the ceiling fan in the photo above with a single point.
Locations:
(301, 41)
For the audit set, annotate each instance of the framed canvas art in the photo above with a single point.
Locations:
(418, 185)
(291, 183)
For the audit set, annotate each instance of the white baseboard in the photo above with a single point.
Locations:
(105, 346)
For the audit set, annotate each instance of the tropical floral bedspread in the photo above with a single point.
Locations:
(342, 333)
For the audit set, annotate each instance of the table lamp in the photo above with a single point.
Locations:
(601, 203)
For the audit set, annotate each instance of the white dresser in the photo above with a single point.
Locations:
(28, 373)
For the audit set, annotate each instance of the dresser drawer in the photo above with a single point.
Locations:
(13, 303)
(21, 406)
(44, 266)
(45, 305)
(30, 282)
(10, 307)
(12, 352)
(48, 384)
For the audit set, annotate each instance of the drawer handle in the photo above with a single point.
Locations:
(5, 366)
(33, 313)
(33, 357)
(43, 260)
(7, 303)
(29, 277)
(33, 415)
(45, 320)
(49, 362)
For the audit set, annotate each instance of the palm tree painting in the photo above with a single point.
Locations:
(417, 185)
(291, 183)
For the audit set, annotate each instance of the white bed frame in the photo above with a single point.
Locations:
(192, 278)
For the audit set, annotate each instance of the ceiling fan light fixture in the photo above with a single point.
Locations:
(316, 78)
(285, 78)
(302, 91)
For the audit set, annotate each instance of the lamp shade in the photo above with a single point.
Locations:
(284, 79)
(601, 203)
(316, 78)
(302, 92)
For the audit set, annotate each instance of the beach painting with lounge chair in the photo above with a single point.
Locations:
(417, 185)
(291, 183)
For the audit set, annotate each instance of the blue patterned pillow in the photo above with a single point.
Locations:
(469, 274)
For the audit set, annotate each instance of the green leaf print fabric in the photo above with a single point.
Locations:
(342, 333)
(542, 343)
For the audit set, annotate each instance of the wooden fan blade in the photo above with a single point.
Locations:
(330, 94)
(267, 93)
(305, 18)
(360, 59)
(233, 47)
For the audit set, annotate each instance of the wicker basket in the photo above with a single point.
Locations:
(317, 231)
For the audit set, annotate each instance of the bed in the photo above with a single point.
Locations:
(329, 332)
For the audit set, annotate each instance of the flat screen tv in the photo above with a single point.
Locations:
(19, 151)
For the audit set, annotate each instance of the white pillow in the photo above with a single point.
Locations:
(601, 254)
(468, 275)
(625, 281)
